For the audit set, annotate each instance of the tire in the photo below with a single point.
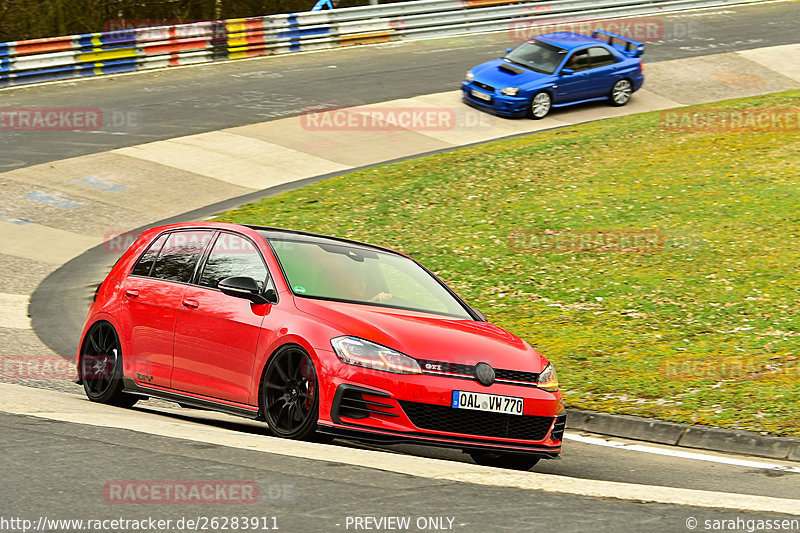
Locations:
(289, 395)
(101, 367)
(540, 105)
(512, 461)
(621, 93)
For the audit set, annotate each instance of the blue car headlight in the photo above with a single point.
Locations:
(510, 91)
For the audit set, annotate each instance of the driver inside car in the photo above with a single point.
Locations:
(354, 287)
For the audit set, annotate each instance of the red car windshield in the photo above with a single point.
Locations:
(338, 271)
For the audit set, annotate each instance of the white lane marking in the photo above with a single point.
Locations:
(597, 441)
(42, 243)
(14, 311)
(70, 408)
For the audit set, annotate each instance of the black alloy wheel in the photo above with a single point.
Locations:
(101, 367)
(290, 394)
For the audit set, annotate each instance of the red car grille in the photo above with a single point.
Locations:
(516, 375)
(467, 422)
(457, 370)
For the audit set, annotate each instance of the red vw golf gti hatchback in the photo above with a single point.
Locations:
(315, 334)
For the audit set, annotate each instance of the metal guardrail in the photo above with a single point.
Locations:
(37, 60)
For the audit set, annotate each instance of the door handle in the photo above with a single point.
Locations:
(191, 303)
(133, 293)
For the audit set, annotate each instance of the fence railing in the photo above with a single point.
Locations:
(38, 60)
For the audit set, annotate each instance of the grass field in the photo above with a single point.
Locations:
(659, 269)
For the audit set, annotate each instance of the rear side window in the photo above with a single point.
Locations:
(233, 255)
(578, 61)
(145, 263)
(601, 57)
(180, 255)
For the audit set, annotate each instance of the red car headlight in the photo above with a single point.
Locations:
(547, 379)
(359, 352)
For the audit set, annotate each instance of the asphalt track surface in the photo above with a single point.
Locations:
(181, 101)
(49, 467)
(302, 495)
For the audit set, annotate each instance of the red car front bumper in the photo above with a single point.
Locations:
(391, 408)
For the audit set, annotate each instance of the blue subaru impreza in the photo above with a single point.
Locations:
(557, 70)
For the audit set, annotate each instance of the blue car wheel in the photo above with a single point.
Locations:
(541, 103)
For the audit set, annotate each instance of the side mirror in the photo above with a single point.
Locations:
(247, 288)
(271, 296)
(480, 315)
(567, 72)
(508, 50)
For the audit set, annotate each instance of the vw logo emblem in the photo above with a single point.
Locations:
(484, 374)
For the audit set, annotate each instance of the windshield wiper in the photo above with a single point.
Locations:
(516, 62)
(525, 65)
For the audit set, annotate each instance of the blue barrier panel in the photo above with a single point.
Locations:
(106, 41)
(294, 34)
(107, 67)
(85, 40)
(57, 73)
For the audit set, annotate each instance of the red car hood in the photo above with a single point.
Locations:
(427, 336)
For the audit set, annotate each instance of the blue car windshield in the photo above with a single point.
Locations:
(537, 56)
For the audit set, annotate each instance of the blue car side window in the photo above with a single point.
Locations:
(578, 61)
(601, 57)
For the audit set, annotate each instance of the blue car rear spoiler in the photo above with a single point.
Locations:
(634, 48)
